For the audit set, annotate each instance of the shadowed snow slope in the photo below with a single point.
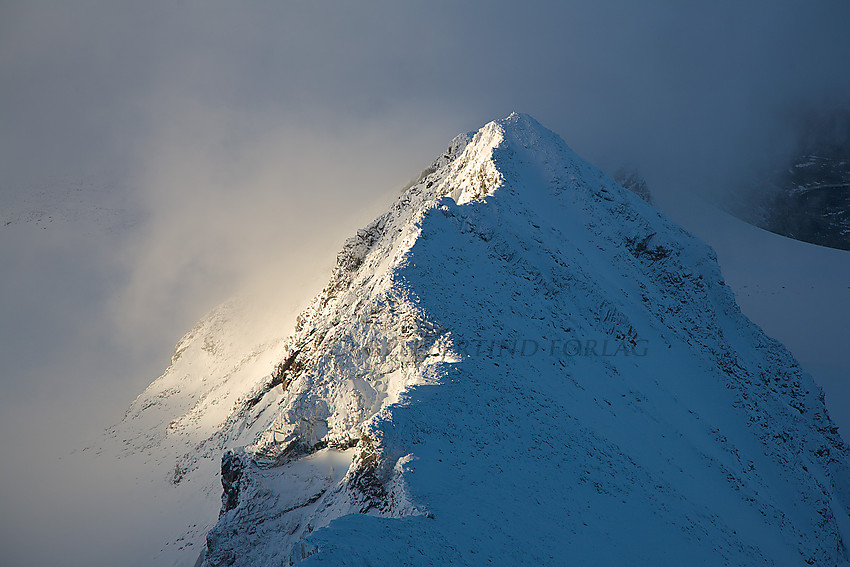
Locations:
(520, 363)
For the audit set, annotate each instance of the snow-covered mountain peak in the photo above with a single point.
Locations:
(509, 363)
(478, 171)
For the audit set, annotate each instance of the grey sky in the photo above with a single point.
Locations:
(89, 85)
(250, 138)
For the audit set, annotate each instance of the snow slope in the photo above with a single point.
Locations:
(521, 362)
(174, 433)
(799, 293)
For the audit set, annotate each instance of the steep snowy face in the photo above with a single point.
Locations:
(522, 362)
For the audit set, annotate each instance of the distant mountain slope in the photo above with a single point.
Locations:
(807, 198)
(814, 202)
(69, 201)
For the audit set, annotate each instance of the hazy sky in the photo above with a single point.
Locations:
(246, 140)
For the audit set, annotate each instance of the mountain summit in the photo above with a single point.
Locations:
(521, 363)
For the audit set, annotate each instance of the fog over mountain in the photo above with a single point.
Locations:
(157, 157)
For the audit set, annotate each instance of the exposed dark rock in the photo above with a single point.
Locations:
(231, 473)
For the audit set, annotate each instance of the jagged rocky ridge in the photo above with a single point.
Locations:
(522, 362)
